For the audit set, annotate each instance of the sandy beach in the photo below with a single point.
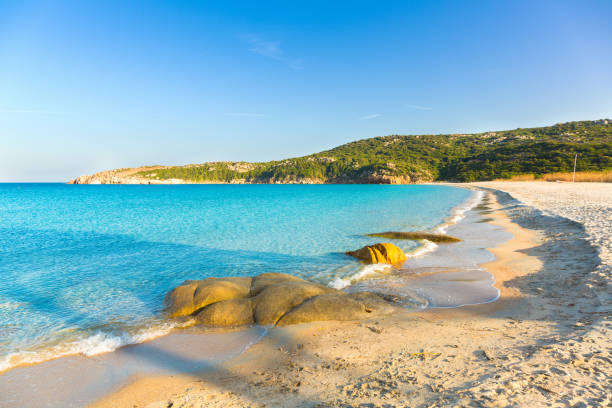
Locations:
(305, 204)
(545, 342)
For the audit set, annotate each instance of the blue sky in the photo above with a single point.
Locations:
(92, 85)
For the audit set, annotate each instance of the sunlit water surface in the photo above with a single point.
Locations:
(84, 269)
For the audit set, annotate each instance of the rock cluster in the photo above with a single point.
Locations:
(268, 299)
(386, 253)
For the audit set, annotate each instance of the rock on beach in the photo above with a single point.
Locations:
(385, 253)
(268, 299)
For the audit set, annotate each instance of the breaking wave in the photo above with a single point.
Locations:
(96, 343)
(458, 213)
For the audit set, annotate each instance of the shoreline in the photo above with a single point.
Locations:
(520, 350)
(99, 344)
(288, 341)
(278, 337)
(395, 359)
(423, 246)
(122, 358)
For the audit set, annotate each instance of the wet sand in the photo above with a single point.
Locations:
(76, 381)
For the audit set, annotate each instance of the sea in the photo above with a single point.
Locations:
(84, 268)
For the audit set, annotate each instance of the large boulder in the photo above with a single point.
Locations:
(276, 300)
(179, 301)
(234, 312)
(337, 306)
(332, 306)
(268, 299)
(373, 302)
(268, 279)
(385, 253)
(192, 296)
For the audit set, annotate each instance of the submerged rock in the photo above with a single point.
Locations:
(268, 299)
(386, 253)
(438, 238)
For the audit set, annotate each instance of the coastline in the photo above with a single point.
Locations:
(521, 349)
(536, 345)
(423, 247)
(98, 344)
(123, 357)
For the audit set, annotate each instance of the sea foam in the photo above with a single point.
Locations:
(97, 343)
(458, 213)
(426, 247)
(368, 271)
(68, 271)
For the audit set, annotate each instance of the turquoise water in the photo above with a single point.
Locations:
(85, 268)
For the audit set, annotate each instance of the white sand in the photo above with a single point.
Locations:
(589, 204)
(545, 342)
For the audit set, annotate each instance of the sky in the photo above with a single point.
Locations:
(92, 85)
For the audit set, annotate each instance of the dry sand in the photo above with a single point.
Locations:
(545, 342)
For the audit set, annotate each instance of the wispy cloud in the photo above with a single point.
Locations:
(34, 111)
(372, 116)
(245, 114)
(262, 47)
(270, 49)
(418, 107)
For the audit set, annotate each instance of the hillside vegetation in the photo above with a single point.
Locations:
(420, 158)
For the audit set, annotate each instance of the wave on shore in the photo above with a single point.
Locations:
(96, 343)
(425, 246)
(104, 340)
(458, 213)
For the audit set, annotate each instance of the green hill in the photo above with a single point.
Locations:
(406, 159)
(397, 158)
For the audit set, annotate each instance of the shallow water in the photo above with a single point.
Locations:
(83, 269)
(445, 275)
(451, 275)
